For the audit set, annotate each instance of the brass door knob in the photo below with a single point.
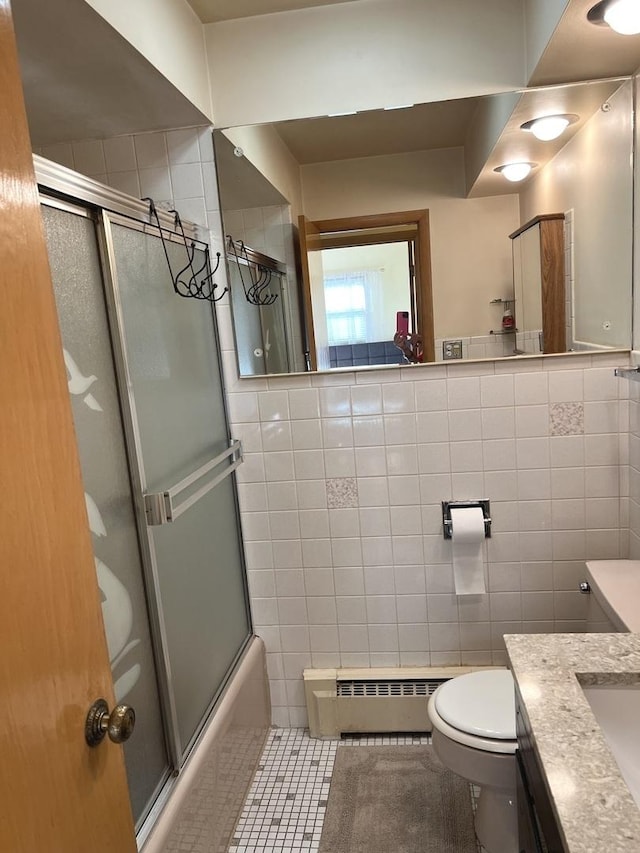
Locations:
(118, 724)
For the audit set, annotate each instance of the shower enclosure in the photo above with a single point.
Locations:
(258, 295)
(144, 375)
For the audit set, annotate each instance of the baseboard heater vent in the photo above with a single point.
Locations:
(420, 687)
(385, 699)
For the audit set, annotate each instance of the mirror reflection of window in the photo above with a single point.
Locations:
(350, 301)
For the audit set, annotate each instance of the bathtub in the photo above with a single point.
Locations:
(206, 800)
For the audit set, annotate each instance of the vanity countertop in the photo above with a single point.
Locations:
(594, 808)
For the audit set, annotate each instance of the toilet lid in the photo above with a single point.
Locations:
(480, 703)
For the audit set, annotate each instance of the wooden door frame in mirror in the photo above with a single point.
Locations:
(329, 233)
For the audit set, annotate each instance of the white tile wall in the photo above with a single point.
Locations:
(480, 346)
(173, 167)
(374, 581)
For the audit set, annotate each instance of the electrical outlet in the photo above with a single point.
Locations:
(451, 349)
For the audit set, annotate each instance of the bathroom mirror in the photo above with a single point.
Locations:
(442, 158)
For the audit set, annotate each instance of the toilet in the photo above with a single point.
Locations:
(474, 735)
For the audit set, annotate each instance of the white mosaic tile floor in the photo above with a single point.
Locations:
(285, 807)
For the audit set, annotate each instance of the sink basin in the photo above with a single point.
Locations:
(617, 710)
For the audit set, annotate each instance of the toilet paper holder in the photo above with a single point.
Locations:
(447, 522)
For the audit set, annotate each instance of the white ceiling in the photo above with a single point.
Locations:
(212, 11)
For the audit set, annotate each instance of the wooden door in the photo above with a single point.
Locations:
(57, 794)
(306, 228)
(375, 228)
(553, 284)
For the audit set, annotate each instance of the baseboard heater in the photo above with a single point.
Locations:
(384, 699)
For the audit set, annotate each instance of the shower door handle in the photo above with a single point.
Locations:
(161, 508)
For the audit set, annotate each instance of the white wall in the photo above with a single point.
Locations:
(470, 249)
(592, 175)
(363, 55)
(169, 34)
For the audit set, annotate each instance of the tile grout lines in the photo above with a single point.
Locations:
(285, 807)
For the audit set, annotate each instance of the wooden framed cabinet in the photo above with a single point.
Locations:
(539, 285)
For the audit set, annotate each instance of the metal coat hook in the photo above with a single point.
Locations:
(259, 276)
(189, 282)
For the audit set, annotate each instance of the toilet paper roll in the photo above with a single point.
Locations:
(467, 526)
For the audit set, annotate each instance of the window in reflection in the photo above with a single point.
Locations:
(347, 297)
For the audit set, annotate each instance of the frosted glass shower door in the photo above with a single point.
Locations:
(77, 280)
(261, 338)
(174, 378)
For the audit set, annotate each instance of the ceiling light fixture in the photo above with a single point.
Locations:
(549, 127)
(515, 171)
(347, 113)
(623, 16)
(400, 107)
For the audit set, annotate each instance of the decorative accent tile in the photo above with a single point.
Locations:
(566, 418)
(342, 493)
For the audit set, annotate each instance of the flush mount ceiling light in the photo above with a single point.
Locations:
(549, 127)
(515, 171)
(623, 16)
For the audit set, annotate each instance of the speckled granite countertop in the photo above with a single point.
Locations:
(595, 810)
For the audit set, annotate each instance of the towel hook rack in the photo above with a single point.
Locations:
(189, 282)
(256, 288)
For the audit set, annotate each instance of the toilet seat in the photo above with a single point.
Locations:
(477, 710)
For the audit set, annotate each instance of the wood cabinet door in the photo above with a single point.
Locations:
(57, 794)
(538, 277)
